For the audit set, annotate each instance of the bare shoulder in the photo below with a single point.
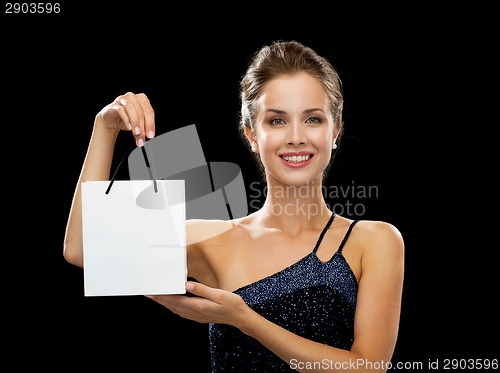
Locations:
(202, 230)
(382, 236)
(382, 229)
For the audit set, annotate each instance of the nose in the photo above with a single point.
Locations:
(296, 134)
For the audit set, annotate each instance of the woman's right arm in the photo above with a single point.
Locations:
(131, 112)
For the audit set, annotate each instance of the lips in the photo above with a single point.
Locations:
(296, 160)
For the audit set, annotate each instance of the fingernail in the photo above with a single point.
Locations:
(189, 286)
(151, 134)
(140, 142)
(137, 131)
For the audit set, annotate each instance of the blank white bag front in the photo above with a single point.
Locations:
(134, 238)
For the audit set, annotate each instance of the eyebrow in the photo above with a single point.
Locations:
(307, 111)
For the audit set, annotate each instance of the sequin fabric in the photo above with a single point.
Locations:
(310, 298)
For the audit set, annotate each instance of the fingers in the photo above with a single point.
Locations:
(208, 305)
(193, 308)
(137, 116)
(194, 288)
(204, 291)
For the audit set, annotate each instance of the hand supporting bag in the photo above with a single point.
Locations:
(134, 237)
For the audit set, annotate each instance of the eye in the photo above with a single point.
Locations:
(313, 120)
(277, 122)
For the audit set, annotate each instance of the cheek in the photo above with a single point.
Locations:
(269, 143)
(323, 141)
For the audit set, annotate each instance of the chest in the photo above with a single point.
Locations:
(250, 258)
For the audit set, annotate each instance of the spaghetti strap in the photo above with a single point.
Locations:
(323, 232)
(353, 223)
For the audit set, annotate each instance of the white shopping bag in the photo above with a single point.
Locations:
(134, 237)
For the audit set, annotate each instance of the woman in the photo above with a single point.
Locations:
(292, 285)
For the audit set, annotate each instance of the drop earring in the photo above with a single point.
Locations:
(253, 147)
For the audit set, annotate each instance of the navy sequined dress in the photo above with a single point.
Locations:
(310, 298)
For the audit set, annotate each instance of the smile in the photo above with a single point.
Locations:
(296, 158)
(296, 161)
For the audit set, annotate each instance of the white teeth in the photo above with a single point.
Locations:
(296, 158)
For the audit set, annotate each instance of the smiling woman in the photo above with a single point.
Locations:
(295, 124)
(293, 282)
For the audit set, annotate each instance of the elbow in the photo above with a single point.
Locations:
(73, 256)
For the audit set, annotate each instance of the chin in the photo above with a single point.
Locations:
(299, 181)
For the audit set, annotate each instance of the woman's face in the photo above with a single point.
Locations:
(294, 130)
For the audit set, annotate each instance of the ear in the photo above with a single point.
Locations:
(335, 137)
(250, 135)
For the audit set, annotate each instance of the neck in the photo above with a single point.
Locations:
(285, 204)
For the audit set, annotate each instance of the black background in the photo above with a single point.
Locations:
(416, 91)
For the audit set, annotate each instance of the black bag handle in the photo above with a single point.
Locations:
(127, 153)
